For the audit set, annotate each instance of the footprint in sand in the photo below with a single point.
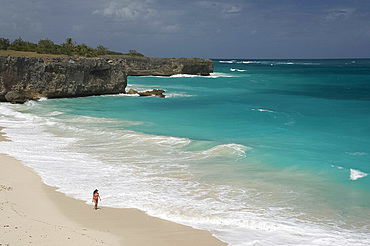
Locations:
(5, 188)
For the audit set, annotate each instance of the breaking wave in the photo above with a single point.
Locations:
(356, 174)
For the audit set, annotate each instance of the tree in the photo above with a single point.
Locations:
(4, 44)
(101, 50)
(17, 44)
(20, 45)
(47, 47)
(68, 47)
(84, 50)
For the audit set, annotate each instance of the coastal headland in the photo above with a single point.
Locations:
(28, 76)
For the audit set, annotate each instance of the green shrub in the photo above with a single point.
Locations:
(20, 45)
(114, 53)
(69, 48)
(84, 50)
(101, 50)
(4, 43)
(134, 53)
(48, 47)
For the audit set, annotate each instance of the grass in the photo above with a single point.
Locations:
(28, 54)
(35, 54)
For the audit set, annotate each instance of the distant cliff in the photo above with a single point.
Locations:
(24, 78)
(146, 66)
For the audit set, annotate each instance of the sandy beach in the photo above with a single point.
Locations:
(32, 213)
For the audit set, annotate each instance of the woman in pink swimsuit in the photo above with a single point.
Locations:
(95, 198)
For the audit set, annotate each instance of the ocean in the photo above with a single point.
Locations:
(261, 152)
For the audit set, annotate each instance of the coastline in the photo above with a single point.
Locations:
(32, 212)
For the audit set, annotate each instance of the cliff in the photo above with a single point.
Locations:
(24, 78)
(147, 66)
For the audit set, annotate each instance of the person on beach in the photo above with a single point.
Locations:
(95, 198)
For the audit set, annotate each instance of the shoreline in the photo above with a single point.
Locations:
(32, 212)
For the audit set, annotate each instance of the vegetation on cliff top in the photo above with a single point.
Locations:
(69, 48)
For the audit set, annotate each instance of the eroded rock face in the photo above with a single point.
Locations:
(148, 66)
(24, 78)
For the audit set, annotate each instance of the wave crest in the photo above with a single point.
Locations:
(356, 174)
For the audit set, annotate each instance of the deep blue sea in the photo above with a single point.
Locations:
(262, 152)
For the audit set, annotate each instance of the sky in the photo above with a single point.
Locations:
(258, 29)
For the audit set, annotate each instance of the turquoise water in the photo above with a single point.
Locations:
(260, 152)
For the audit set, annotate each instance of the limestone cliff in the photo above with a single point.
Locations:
(23, 78)
(146, 66)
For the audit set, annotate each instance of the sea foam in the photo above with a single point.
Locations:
(232, 61)
(219, 75)
(356, 174)
(263, 110)
(237, 70)
(184, 76)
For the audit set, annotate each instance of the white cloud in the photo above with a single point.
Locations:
(219, 7)
(233, 9)
(170, 28)
(77, 27)
(339, 13)
(23, 23)
(128, 10)
(143, 16)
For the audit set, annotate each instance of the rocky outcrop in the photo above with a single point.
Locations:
(154, 92)
(24, 78)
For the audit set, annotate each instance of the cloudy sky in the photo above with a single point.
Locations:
(190, 28)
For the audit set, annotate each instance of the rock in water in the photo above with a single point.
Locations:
(15, 97)
(132, 91)
(155, 92)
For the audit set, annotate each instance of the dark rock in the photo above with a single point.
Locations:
(132, 91)
(155, 92)
(16, 97)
